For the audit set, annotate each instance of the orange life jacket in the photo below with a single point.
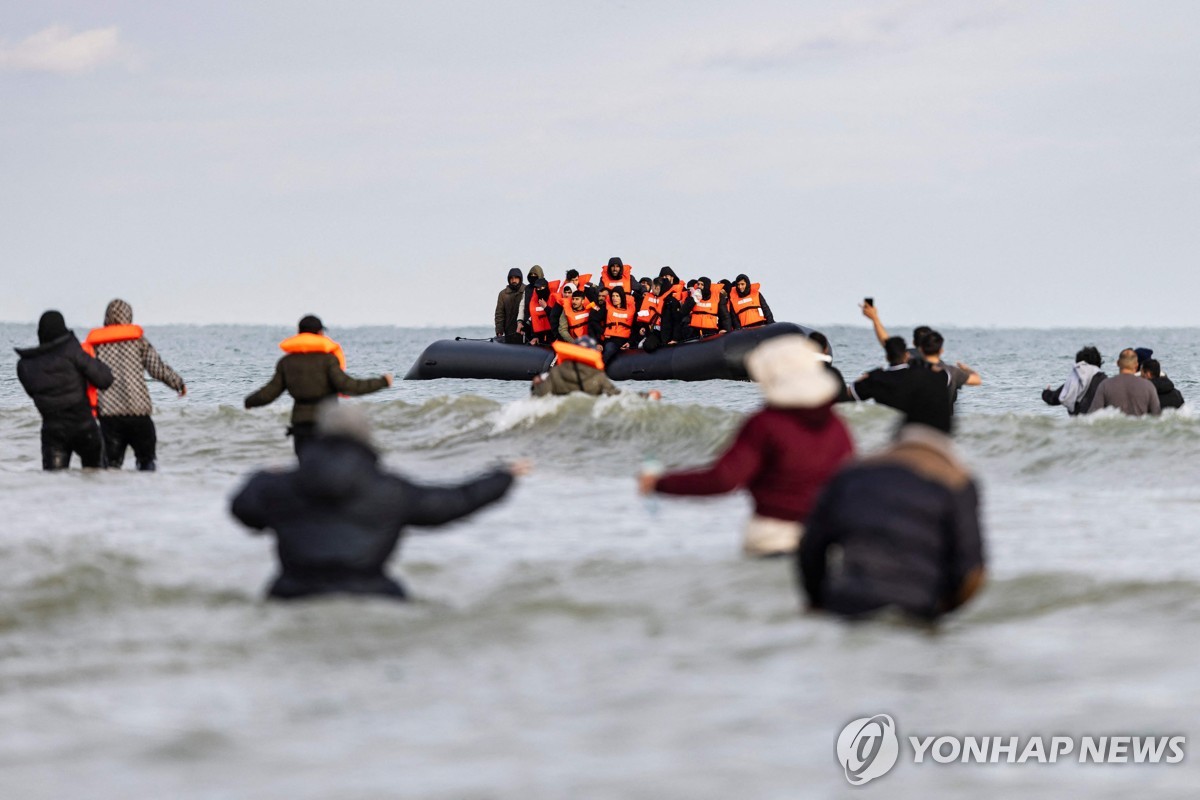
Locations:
(539, 314)
(651, 311)
(704, 315)
(680, 291)
(625, 281)
(619, 322)
(577, 321)
(749, 308)
(313, 343)
(573, 352)
(109, 334)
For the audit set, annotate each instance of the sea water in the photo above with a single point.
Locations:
(567, 642)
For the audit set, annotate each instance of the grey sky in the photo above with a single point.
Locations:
(985, 162)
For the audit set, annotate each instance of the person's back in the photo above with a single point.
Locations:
(906, 527)
(338, 516)
(125, 407)
(1131, 393)
(57, 374)
(580, 368)
(1168, 395)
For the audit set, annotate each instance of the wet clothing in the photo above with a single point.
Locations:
(783, 456)
(508, 310)
(906, 526)
(1133, 394)
(310, 378)
(129, 361)
(124, 432)
(56, 374)
(912, 391)
(338, 517)
(572, 376)
(1077, 393)
(1168, 395)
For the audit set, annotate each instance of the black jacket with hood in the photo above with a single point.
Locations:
(56, 375)
(707, 287)
(734, 297)
(338, 517)
(1168, 395)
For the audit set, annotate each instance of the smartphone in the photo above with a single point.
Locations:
(869, 301)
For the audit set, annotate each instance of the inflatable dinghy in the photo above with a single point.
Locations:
(716, 358)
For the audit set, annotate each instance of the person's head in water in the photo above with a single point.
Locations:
(51, 326)
(1089, 355)
(1127, 362)
(311, 323)
(514, 278)
(931, 345)
(919, 334)
(742, 284)
(791, 374)
(616, 267)
(1151, 369)
(822, 341)
(616, 297)
(896, 351)
(344, 421)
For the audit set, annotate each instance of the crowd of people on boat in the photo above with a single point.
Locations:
(623, 312)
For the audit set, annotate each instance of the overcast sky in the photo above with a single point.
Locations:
(982, 162)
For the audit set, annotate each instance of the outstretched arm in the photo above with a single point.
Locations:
(741, 462)
(437, 505)
(158, 369)
(355, 386)
(268, 393)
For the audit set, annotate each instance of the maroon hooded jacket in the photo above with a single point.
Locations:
(783, 456)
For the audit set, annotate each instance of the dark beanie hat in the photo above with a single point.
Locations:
(51, 326)
(311, 323)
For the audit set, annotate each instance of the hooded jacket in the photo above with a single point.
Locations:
(783, 456)
(508, 306)
(906, 523)
(1168, 395)
(572, 376)
(536, 273)
(56, 374)
(734, 297)
(707, 290)
(128, 360)
(338, 517)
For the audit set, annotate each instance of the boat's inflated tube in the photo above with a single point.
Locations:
(714, 358)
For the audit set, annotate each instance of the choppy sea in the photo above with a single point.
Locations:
(576, 641)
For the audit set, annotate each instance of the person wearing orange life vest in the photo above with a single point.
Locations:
(579, 367)
(539, 310)
(617, 273)
(748, 305)
(575, 317)
(124, 408)
(58, 374)
(704, 313)
(619, 319)
(312, 370)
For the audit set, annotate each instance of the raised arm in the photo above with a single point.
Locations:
(158, 369)
(872, 313)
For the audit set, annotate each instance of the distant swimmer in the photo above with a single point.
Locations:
(1168, 395)
(312, 370)
(1127, 390)
(749, 306)
(508, 310)
(783, 455)
(338, 517)
(1079, 389)
(63, 380)
(579, 368)
(898, 530)
(125, 406)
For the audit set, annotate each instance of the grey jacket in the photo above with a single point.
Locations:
(1133, 394)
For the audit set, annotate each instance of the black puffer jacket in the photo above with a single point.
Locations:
(1168, 395)
(56, 375)
(338, 517)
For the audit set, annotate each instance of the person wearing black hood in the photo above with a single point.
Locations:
(749, 306)
(617, 273)
(539, 312)
(1168, 395)
(338, 517)
(704, 313)
(508, 310)
(59, 376)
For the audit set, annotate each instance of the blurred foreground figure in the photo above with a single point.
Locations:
(904, 525)
(338, 516)
(62, 379)
(784, 454)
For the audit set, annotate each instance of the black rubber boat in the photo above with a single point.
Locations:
(716, 358)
